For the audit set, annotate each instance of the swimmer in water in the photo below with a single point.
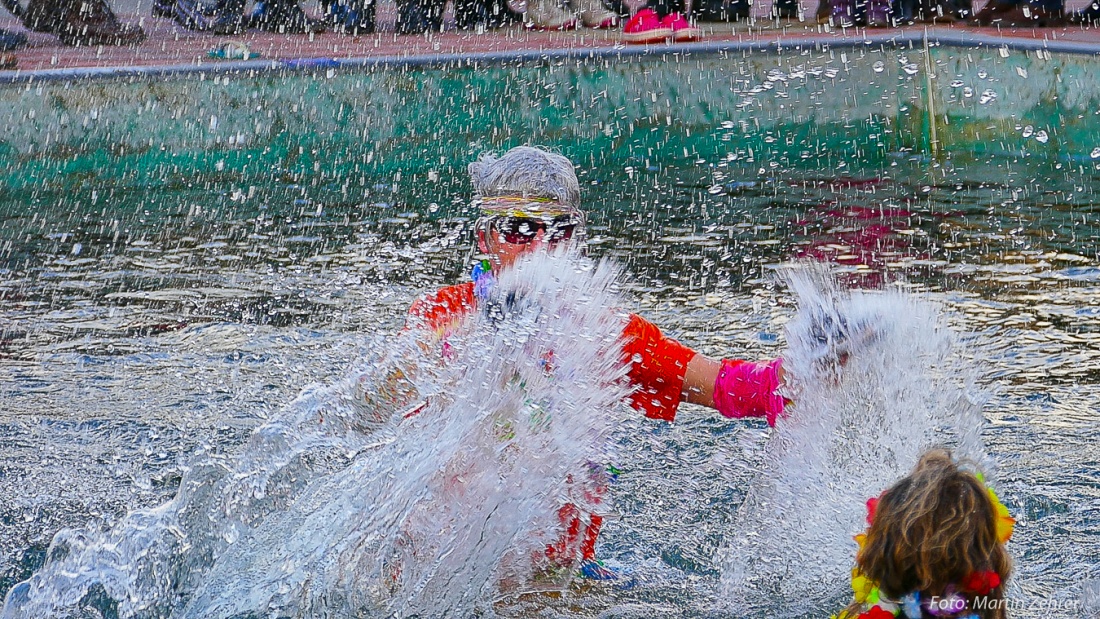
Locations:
(530, 201)
(934, 547)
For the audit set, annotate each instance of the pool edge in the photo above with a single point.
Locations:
(773, 45)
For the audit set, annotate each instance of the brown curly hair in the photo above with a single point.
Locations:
(932, 529)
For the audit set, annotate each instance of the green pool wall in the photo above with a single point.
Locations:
(837, 109)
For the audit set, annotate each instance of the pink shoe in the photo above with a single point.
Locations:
(646, 27)
(682, 30)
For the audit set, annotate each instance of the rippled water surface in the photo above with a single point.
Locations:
(140, 327)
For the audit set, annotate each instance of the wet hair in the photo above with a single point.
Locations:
(526, 171)
(932, 529)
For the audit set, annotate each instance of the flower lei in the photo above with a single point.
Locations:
(954, 598)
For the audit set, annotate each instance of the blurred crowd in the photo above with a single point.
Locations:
(92, 22)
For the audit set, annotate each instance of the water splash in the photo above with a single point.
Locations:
(852, 431)
(424, 482)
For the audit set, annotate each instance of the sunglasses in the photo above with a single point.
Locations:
(523, 230)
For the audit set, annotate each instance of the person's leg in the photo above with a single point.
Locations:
(721, 10)
(994, 10)
(1088, 16)
(904, 11)
(878, 14)
(580, 525)
(566, 550)
(1048, 13)
(1025, 13)
(549, 15)
(284, 17)
(961, 9)
(595, 14)
(220, 17)
(665, 7)
(80, 22)
(419, 16)
(842, 13)
(591, 534)
(163, 8)
(469, 14)
(12, 40)
(350, 16)
(500, 14)
(786, 9)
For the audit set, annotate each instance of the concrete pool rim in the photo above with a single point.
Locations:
(777, 45)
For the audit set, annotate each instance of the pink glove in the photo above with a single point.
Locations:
(746, 389)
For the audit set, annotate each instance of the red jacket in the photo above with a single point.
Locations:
(658, 373)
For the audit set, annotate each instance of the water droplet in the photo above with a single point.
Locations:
(956, 83)
(1042, 137)
(879, 67)
(910, 69)
(1028, 130)
(1095, 153)
(988, 96)
(968, 92)
(982, 74)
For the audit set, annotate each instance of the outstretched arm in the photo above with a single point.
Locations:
(667, 372)
(737, 388)
(699, 380)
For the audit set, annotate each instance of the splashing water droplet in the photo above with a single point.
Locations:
(793, 530)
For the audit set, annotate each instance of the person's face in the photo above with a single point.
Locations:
(505, 239)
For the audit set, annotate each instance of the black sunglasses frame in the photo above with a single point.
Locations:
(524, 230)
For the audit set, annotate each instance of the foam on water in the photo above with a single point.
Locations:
(851, 432)
(427, 481)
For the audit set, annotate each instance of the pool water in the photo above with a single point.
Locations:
(146, 316)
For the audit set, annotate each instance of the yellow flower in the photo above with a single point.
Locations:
(864, 589)
(1005, 523)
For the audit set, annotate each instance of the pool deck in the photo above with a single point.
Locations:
(170, 48)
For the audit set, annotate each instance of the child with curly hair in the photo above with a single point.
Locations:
(934, 547)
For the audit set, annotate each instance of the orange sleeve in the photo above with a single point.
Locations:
(440, 311)
(657, 368)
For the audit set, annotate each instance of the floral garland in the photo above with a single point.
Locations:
(954, 598)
